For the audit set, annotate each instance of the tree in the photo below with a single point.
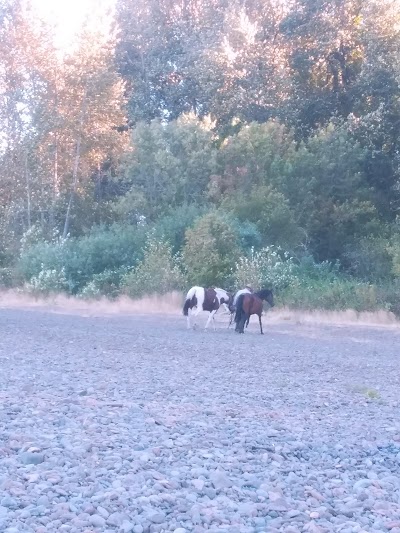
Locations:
(169, 165)
(211, 250)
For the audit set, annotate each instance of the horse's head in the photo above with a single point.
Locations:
(267, 295)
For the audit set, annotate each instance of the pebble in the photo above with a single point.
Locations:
(97, 520)
(31, 458)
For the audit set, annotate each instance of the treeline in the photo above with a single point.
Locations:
(205, 142)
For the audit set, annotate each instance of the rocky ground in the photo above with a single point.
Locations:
(134, 424)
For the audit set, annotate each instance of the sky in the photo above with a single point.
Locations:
(67, 16)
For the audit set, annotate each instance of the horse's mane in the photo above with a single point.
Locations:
(263, 293)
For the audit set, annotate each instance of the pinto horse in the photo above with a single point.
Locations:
(203, 299)
(251, 304)
(232, 308)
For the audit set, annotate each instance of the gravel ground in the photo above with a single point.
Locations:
(134, 424)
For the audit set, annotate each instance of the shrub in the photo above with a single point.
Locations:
(308, 271)
(172, 226)
(268, 267)
(107, 283)
(158, 273)
(103, 249)
(7, 278)
(42, 256)
(370, 259)
(48, 281)
(337, 295)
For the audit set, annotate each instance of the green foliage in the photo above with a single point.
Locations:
(331, 200)
(394, 251)
(159, 272)
(170, 165)
(107, 283)
(48, 256)
(172, 226)
(48, 281)
(269, 212)
(269, 267)
(338, 295)
(308, 269)
(248, 233)
(257, 155)
(7, 278)
(211, 248)
(370, 258)
(82, 258)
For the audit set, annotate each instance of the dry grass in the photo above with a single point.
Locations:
(171, 304)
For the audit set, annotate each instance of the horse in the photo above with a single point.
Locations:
(232, 308)
(251, 304)
(204, 299)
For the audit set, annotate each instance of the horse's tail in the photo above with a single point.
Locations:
(239, 308)
(189, 296)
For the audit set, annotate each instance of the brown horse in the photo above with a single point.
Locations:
(251, 304)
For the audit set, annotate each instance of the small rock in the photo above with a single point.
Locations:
(31, 458)
(157, 517)
(127, 527)
(9, 502)
(97, 521)
(220, 480)
(102, 512)
(115, 519)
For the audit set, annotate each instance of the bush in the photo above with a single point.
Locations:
(307, 270)
(172, 226)
(103, 249)
(337, 295)
(7, 278)
(324, 286)
(269, 212)
(268, 267)
(107, 283)
(158, 273)
(370, 259)
(48, 281)
(42, 256)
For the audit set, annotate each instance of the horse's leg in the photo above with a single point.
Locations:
(198, 310)
(247, 322)
(211, 317)
(188, 318)
(259, 319)
(243, 322)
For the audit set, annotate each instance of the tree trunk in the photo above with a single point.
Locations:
(76, 166)
(28, 190)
